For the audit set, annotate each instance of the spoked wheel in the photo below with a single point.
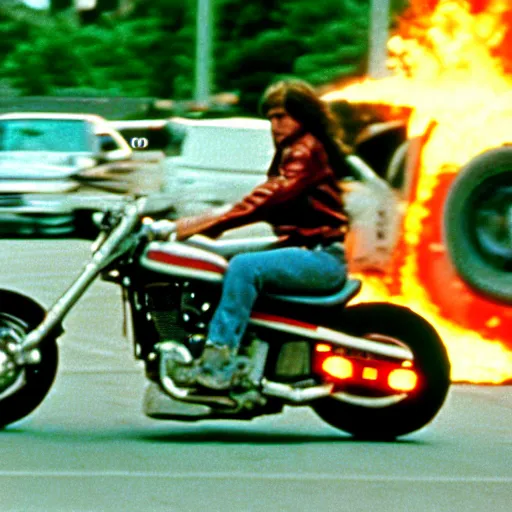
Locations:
(22, 388)
(381, 397)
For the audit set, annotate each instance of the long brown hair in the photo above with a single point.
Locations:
(301, 102)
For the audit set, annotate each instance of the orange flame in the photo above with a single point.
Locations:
(448, 65)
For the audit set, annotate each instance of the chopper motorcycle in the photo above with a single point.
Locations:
(373, 370)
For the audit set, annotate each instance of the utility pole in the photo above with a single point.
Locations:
(378, 38)
(203, 51)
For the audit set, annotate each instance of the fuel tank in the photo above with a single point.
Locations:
(181, 260)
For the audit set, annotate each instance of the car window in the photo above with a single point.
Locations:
(107, 142)
(59, 135)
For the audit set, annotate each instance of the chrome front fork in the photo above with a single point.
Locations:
(27, 352)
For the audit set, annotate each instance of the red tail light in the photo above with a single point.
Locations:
(338, 367)
(402, 379)
(383, 376)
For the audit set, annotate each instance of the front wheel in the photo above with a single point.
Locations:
(22, 388)
(371, 411)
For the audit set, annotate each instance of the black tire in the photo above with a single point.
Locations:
(477, 227)
(19, 314)
(419, 407)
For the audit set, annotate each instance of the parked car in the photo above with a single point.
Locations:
(54, 148)
(219, 161)
(48, 153)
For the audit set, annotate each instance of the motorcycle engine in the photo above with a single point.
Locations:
(178, 309)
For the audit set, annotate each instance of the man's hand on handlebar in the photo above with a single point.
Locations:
(162, 229)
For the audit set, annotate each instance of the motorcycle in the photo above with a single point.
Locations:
(373, 370)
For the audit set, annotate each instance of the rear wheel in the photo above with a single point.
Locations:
(22, 388)
(368, 411)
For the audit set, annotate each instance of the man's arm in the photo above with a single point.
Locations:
(301, 169)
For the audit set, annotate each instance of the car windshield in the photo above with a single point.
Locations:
(61, 135)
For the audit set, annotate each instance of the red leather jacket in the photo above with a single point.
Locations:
(301, 199)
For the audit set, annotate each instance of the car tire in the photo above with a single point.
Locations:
(478, 224)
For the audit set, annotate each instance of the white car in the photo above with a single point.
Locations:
(44, 157)
(221, 160)
(42, 152)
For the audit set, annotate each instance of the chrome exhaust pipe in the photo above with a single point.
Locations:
(171, 351)
(295, 395)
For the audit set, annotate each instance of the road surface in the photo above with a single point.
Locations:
(89, 448)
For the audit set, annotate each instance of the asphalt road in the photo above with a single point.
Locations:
(89, 448)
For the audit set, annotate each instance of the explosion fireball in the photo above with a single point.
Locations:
(451, 62)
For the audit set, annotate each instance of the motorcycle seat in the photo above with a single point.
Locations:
(343, 295)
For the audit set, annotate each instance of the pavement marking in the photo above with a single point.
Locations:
(256, 476)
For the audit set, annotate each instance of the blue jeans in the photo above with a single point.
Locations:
(289, 270)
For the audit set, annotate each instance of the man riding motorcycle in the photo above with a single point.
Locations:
(302, 201)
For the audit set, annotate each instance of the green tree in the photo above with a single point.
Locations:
(148, 49)
(335, 38)
(320, 41)
(64, 58)
(171, 56)
(252, 47)
(11, 31)
(138, 56)
(15, 23)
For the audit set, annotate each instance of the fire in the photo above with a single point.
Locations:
(473, 358)
(447, 63)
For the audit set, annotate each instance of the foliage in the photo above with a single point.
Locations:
(148, 50)
(138, 56)
(263, 48)
(336, 38)
(320, 41)
(10, 32)
(170, 58)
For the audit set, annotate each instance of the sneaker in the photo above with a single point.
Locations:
(217, 366)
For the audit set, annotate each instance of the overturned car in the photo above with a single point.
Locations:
(462, 247)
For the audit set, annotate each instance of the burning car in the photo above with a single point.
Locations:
(221, 160)
(397, 244)
(448, 64)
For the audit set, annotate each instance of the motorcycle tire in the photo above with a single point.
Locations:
(19, 314)
(477, 225)
(377, 421)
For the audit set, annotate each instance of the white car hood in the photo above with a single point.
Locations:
(37, 165)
